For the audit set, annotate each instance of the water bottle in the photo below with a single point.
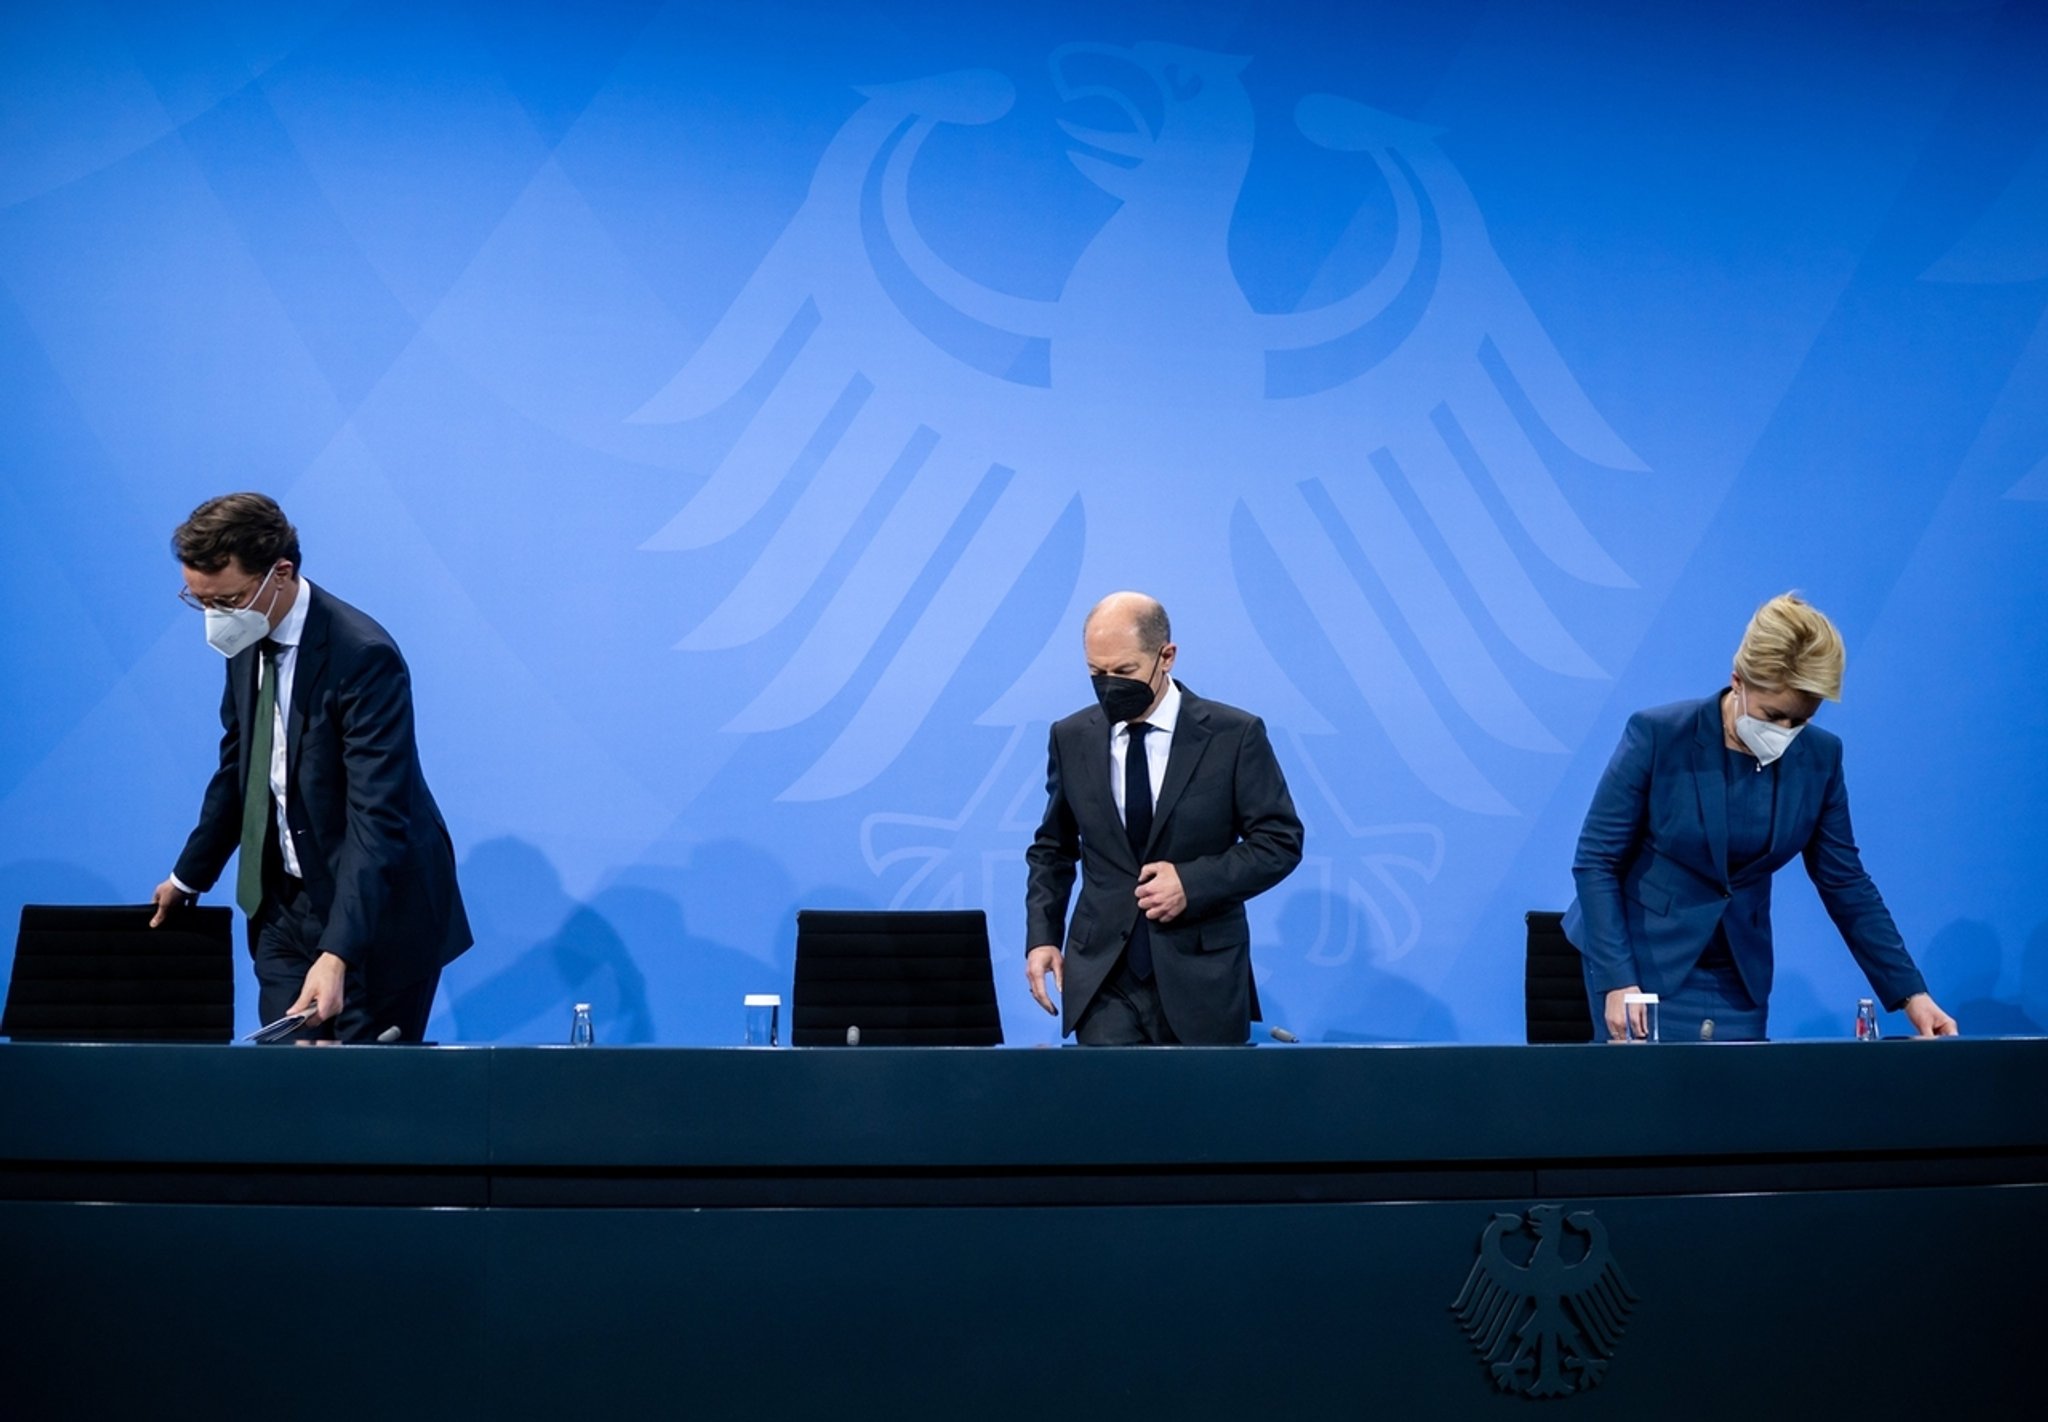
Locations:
(1866, 1020)
(581, 1034)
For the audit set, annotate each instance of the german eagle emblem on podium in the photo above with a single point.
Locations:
(1546, 1327)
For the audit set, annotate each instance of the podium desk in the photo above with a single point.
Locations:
(1668, 1231)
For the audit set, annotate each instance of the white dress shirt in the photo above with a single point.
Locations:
(287, 638)
(1158, 745)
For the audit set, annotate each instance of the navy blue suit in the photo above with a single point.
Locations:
(1652, 862)
(379, 890)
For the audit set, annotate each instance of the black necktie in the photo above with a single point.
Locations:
(1138, 829)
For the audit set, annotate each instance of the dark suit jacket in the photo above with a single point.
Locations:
(379, 867)
(1224, 820)
(1651, 866)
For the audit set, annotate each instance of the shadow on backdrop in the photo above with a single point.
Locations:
(541, 952)
(1962, 965)
(1372, 1003)
(733, 932)
(662, 953)
(2034, 974)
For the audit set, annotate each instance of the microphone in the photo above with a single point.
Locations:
(388, 1036)
(1281, 1034)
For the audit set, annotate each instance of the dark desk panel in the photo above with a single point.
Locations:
(1823, 1228)
(530, 1106)
(1218, 1106)
(253, 1105)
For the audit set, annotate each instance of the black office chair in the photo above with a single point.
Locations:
(1554, 983)
(89, 973)
(904, 978)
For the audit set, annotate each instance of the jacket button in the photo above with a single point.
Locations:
(1726, 894)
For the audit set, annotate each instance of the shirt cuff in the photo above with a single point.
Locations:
(185, 888)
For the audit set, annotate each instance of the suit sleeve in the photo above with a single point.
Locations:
(1852, 901)
(1608, 841)
(374, 708)
(1049, 862)
(219, 830)
(1269, 833)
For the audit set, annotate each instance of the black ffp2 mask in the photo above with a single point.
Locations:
(1122, 697)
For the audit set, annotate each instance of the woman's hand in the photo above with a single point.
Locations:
(1621, 1017)
(1927, 1017)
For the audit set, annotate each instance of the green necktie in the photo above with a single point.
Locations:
(256, 796)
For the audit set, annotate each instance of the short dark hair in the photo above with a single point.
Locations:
(249, 528)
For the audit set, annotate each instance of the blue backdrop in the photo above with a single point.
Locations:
(732, 409)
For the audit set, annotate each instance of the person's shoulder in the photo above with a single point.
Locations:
(1218, 715)
(352, 634)
(1675, 716)
(1087, 717)
(347, 621)
(1823, 740)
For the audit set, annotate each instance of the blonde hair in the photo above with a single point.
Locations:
(1791, 643)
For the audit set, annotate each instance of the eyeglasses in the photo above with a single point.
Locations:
(233, 602)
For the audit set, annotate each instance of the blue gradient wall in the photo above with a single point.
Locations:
(732, 410)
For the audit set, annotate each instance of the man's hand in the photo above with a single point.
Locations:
(1927, 1017)
(167, 897)
(1037, 963)
(1159, 892)
(320, 994)
(1621, 1017)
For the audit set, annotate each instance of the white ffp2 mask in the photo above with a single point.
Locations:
(236, 629)
(1766, 741)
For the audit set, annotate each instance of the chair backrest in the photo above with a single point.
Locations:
(904, 978)
(1554, 983)
(101, 974)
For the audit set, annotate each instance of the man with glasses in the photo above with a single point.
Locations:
(345, 869)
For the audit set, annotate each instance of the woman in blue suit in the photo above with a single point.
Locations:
(1702, 803)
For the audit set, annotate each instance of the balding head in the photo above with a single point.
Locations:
(1134, 613)
(1127, 636)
